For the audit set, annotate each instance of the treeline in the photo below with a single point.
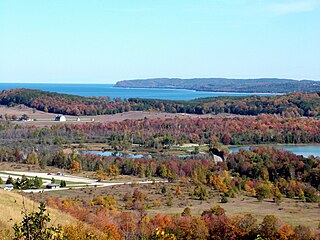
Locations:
(295, 104)
(161, 134)
(24, 182)
(263, 172)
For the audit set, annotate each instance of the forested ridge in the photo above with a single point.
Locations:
(261, 85)
(294, 104)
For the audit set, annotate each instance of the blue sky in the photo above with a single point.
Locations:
(103, 41)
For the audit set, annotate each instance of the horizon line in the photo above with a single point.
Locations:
(154, 78)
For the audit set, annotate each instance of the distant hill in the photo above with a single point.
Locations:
(261, 85)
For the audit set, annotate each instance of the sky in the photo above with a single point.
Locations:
(104, 41)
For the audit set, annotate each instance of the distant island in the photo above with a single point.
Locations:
(261, 85)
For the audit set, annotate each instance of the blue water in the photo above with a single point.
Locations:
(127, 155)
(116, 154)
(112, 92)
(304, 150)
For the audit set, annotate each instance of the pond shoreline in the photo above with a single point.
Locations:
(305, 150)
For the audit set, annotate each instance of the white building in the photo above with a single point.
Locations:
(52, 186)
(7, 187)
(60, 118)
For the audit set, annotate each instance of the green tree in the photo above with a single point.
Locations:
(264, 190)
(200, 192)
(10, 180)
(32, 158)
(269, 227)
(217, 210)
(37, 182)
(34, 226)
(277, 196)
(24, 117)
(163, 189)
(63, 183)
(186, 212)
(59, 160)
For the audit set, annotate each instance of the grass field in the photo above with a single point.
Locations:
(46, 119)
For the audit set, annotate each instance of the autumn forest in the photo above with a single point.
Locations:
(189, 164)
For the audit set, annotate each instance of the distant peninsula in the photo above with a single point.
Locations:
(261, 85)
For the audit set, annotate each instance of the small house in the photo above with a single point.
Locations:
(60, 118)
(25, 118)
(52, 186)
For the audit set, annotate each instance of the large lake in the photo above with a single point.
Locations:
(112, 92)
(304, 150)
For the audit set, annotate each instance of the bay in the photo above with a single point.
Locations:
(113, 92)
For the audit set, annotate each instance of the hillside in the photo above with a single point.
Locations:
(294, 104)
(53, 102)
(262, 85)
(11, 205)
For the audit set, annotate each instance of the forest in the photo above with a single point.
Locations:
(161, 134)
(258, 171)
(293, 104)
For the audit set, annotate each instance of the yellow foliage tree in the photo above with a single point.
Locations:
(32, 158)
(75, 166)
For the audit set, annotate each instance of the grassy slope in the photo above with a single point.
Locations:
(11, 205)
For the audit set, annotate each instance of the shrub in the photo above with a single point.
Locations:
(224, 199)
(200, 192)
(34, 226)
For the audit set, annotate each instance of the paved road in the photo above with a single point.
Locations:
(85, 182)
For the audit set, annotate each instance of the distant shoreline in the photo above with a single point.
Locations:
(223, 85)
(113, 91)
(196, 90)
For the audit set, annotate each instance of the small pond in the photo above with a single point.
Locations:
(127, 155)
(304, 150)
